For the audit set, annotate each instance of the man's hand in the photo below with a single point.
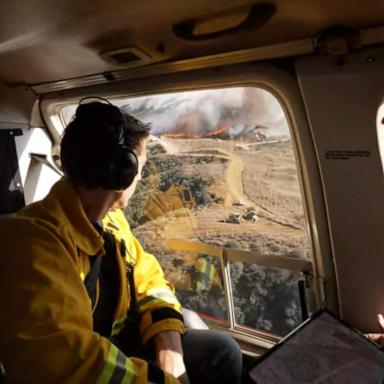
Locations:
(378, 337)
(169, 355)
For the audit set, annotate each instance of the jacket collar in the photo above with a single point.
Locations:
(64, 199)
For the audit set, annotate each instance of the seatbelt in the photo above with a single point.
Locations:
(129, 267)
(109, 287)
(130, 333)
(90, 281)
(94, 276)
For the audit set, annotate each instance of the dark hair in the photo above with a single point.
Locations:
(90, 141)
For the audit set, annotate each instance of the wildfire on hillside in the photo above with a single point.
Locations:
(181, 135)
(243, 114)
(223, 131)
(220, 131)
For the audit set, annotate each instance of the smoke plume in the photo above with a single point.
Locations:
(226, 113)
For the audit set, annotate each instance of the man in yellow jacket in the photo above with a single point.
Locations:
(80, 300)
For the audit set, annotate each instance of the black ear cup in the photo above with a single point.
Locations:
(122, 169)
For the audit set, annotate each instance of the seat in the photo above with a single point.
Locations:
(2, 373)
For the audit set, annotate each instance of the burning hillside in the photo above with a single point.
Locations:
(242, 114)
(223, 133)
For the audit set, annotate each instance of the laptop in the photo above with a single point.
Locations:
(321, 350)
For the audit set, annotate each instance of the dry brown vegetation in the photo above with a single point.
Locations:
(262, 177)
(233, 178)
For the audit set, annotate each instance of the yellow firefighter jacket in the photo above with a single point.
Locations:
(46, 314)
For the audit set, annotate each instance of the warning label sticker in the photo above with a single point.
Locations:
(345, 154)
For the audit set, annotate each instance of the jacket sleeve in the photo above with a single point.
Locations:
(46, 323)
(157, 304)
(156, 300)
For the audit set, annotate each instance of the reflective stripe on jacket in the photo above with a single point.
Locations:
(46, 316)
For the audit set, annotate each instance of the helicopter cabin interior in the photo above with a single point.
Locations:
(263, 195)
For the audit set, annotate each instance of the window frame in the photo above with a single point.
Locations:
(227, 255)
(285, 88)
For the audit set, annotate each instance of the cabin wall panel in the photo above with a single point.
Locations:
(342, 96)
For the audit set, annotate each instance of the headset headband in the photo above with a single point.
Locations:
(112, 168)
(88, 99)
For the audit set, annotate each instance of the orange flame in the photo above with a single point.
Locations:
(179, 135)
(221, 129)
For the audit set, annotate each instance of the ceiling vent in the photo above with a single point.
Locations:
(126, 56)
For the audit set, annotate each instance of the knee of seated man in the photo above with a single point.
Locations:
(228, 351)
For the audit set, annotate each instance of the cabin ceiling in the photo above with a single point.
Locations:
(50, 40)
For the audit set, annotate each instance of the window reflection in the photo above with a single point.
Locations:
(266, 299)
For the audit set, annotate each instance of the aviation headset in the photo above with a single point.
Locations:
(93, 148)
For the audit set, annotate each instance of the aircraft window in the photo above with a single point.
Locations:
(199, 282)
(380, 131)
(66, 115)
(219, 201)
(11, 191)
(273, 304)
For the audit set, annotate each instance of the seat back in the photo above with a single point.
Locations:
(2, 373)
